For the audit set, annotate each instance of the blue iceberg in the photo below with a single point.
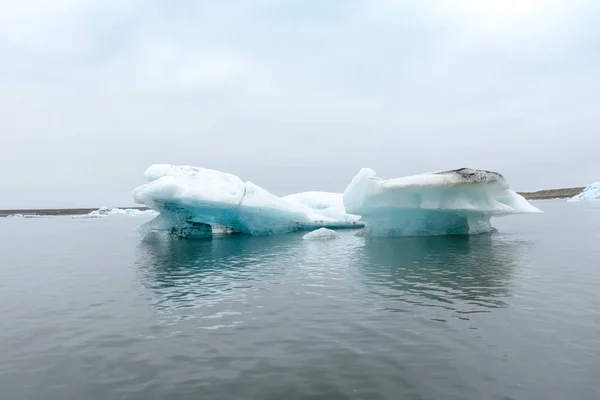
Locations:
(591, 192)
(199, 202)
(454, 202)
(191, 198)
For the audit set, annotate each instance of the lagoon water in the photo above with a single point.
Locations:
(91, 311)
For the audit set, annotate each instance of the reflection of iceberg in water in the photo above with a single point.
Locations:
(182, 275)
(461, 274)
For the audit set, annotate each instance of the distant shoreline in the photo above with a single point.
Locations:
(59, 211)
(552, 193)
(539, 195)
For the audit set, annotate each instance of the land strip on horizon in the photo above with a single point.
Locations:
(59, 211)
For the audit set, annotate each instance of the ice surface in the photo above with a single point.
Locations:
(325, 203)
(321, 234)
(186, 195)
(591, 192)
(440, 203)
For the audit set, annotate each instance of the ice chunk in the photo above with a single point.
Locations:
(106, 211)
(591, 192)
(198, 195)
(321, 234)
(132, 212)
(459, 201)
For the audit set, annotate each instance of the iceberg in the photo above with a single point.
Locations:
(460, 201)
(321, 234)
(187, 196)
(591, 192)
(198, 202)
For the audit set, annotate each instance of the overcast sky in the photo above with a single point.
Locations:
(293, 95)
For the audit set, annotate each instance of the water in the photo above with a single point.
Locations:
(89, 311)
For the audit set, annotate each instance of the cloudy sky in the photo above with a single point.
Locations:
(293, 95)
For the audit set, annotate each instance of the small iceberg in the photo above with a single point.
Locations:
(106, 211)
(321, 234)
(15, 216)
(591, 192)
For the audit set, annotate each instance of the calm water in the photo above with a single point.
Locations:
(89, 311)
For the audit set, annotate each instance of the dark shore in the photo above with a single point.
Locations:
(58, 211)
(539, 195)
(552, 193)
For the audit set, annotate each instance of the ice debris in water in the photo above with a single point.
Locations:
(192, 199)
(321, 234)
(106, 211)
(187, 195)
(459, 201)
(24, 216)
(591, 192)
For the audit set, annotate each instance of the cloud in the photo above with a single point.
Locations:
(292, 95)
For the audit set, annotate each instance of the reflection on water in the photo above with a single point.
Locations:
(198, 274)
(460, 275)
(465, 274)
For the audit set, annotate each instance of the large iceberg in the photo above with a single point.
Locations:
(190, 199)
(195, 201)
(591, 192)
(459, 201)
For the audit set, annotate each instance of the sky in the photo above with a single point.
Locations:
(293, 95)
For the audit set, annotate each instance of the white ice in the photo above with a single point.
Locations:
(440, 203)
(192, 195)
(591, 192)
(193, 201)
(106, 211)
(325, 203)
(321, 234)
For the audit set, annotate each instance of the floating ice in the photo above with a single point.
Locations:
(460, 201)
(196, 201)
(321, 234)
(132, 212)
(186, 195)
(591, 192)
(106, 211)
